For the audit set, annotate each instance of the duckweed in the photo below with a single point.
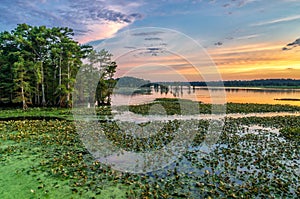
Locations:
(254, 158)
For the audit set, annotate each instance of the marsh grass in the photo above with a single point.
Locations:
(35, 113)
(178, 106)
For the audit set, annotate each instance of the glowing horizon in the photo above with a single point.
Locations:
(246, 39)
(260, 61)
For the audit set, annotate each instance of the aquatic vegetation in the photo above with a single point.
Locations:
(291, 133)
(259, 108)
(171, 107)
(183, 106)
(36, 113)
(140, 139)
(254, 157)
(58, 159)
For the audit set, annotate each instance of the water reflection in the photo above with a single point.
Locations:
(205, 95)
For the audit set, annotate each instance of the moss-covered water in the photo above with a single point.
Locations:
(254, 157)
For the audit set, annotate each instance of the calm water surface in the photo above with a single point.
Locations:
(216, 95)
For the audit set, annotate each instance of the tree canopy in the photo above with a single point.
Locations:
(38, 66)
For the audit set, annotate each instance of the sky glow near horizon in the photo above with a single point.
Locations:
(246, 39)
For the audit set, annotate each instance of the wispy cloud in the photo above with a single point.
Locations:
(236, 3)
(242, 3)
(102, 19)
(15, 12)
(248, 36)
(100, 31)
(151, 33)
(247, 61)
(280, 20)
(90, 19)
(292, 45)
(230, 3)
(219, 43)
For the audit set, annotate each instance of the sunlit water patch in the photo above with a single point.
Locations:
(233, 94)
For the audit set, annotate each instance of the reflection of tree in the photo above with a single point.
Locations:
(175, 91)
(156, 87)
(189, 90)
(181, 91)
(164, 89)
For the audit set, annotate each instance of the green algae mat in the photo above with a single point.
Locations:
(254, 158)
(45, 159)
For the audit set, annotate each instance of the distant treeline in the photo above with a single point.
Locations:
(138, 82)
(132, 82)
(240, 83)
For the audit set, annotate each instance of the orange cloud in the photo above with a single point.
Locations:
(103, 30)
(257, 61)
(167, 67)
(251, 61)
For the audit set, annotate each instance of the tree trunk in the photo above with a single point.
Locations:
(53, 85)
(11, 90)
(43, 85)
(59, 81)
(23, 98)
(68, 85)
(37, 94)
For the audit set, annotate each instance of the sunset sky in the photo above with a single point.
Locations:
(246, 39)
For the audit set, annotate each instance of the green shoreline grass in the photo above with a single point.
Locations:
(171, 106)
(55, 113)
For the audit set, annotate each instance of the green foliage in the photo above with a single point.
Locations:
(98, 68)
(291, 133)
(38, 65)
(181, 106)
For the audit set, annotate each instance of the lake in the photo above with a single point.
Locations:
(217, 95)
